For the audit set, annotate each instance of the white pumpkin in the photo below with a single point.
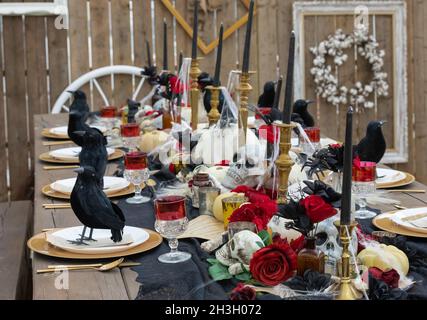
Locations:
(151, 140)
(385, 258)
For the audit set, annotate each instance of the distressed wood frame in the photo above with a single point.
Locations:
(395, 8)
(207, 48)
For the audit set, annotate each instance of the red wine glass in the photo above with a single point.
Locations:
(171, 222)
(136, 172)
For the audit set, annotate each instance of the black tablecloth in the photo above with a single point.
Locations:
(191, 281)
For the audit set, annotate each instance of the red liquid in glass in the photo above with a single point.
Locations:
(130, 130)
(170, 208)
(313, 134)
(108, 112)
(366, 172)
(136, 161)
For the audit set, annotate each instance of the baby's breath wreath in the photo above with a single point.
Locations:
(325, 76)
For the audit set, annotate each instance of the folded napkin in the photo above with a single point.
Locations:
(111, 185)
(72, 153)
(104, 242)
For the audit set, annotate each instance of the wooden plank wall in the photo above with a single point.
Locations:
(39, 61)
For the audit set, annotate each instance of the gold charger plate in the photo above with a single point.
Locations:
(386, 224)
(49, 192)
(46, 157)
(47, 134)
(39, 244)
(404, 182)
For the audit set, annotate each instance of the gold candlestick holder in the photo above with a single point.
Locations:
(284, 163)
(214, 114)
(346, 289)
(194, 92)
(244, 89)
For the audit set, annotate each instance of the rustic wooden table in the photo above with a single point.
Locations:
(116, 284)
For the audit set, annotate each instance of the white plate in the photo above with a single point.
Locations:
(72, 153)
(400, 218)
(132, 237)
(64, 130)
(111, 185)
(389, 176)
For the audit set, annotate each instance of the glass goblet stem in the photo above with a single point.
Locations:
(138, 190)
(173, 244)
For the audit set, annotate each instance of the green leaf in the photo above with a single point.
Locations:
(260, 244)
(266, 238)
(246, 276)
(219, 272)
(212, 261)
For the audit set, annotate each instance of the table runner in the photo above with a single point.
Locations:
(191, 281)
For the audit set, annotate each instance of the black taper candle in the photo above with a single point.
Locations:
(165, 45)
(217, 80)
(150, 63)
(247, 47)
(347, 171)
(278, 93)
(195, 30)
(180, 61)
(287, 111)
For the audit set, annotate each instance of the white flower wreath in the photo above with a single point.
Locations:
(327, 85)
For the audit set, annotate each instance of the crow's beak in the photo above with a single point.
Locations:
(79, 170)
(310, 102)
(80, 133)
(382, 123)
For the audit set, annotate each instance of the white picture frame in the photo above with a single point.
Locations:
(396, 8)
(53, 8)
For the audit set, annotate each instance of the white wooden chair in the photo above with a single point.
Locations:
(91, 77)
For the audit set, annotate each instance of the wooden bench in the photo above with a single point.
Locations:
(15, 267)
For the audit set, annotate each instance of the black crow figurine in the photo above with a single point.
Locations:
(79, 112)
(301, 113)
(373, 146)
(266, 99)
(133, 110)
(93, 208)
(94, 153)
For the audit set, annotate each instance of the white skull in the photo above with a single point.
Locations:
(237, 253)
(327, 239)
(243, 245)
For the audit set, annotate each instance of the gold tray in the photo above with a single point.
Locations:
(46, 157)
(49, 192)
(47, 134)
(39, 244)
(388, 225)
(404, 182)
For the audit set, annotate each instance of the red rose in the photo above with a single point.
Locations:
(335, 146)
(298, 244)
(357, 162)
(317, 209)
(254, 213)
(242, 293)
(258, 197)
(273, 264)
(390, 277)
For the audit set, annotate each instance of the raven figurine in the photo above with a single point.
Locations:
(79, 112)
(266, 99)
(133, 110)
(93, 209)
(301, 113)
(373, 146)
(94, 153)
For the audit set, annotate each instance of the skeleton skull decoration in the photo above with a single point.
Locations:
(237, 253)
(328, 239)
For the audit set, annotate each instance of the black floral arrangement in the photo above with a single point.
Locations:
(330, 158)
(321, 203)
